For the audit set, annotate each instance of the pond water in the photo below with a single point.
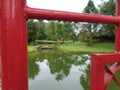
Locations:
(59, 71)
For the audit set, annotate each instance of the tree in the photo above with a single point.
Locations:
(32, 31)
(59, 31)
(90, 8)
(36, 30)
(107, 8)
(51, 30)
(41, 30)
(89, 28)
(68, 32)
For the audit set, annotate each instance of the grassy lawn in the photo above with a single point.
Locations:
(31, 48)
(81, 47)
(47, 41)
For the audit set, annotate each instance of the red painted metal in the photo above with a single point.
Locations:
(99, 79)
(101, 75)
(13, 45)
(117, 27)
(33, 13)
(110, 74)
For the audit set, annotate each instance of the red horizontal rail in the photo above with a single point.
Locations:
(33, 13)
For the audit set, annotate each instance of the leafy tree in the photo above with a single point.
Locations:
(51, 30)
(68, 32)
(59, 31)
(90, 8)
(88, 29)
(36, 30)
(107, 8)
(41, 30)
(32, 30)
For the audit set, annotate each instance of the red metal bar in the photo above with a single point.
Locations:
(0, 40)
(13, 45)
(117, 40)
(98, 81)
(110, 74)
(97, 73)
(33, 13)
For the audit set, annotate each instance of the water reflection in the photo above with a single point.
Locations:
(84, 79)
(59, 71)
(33, 69)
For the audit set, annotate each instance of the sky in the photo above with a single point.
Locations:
(63, 5)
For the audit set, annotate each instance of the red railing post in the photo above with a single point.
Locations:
(13, 45)
(97, 73)
(117, 40)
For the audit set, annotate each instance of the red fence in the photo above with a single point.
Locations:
(13, 43)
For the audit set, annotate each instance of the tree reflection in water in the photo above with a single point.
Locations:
(33, 69)
(85, 77)
(60, 64)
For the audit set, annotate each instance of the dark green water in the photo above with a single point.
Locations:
(59, 71)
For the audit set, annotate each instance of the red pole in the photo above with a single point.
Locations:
(34, 13)
(117, 40)
(0, 40)
(13, 45)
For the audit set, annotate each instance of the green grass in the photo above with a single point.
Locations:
(31, 48)
(81, 47)
(51, 42)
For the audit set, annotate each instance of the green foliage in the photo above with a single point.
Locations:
(107, 8)
(88, 29)
(90, 8)
(35, 30)
(59, 31)
(63, 31)
(51, 30)
(41, 30)
(31, 31)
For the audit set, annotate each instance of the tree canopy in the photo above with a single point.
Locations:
(51, 30)
(88, 29)
(107, 8)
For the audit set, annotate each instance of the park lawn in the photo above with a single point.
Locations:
(51, 42)
(81, 47)
(31, 48)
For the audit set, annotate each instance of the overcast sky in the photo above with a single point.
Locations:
(64, 5)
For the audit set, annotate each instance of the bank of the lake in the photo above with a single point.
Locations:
(81, 47)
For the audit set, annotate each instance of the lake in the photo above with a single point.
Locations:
(57, 70)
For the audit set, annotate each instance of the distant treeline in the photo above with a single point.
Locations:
(64, 31)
